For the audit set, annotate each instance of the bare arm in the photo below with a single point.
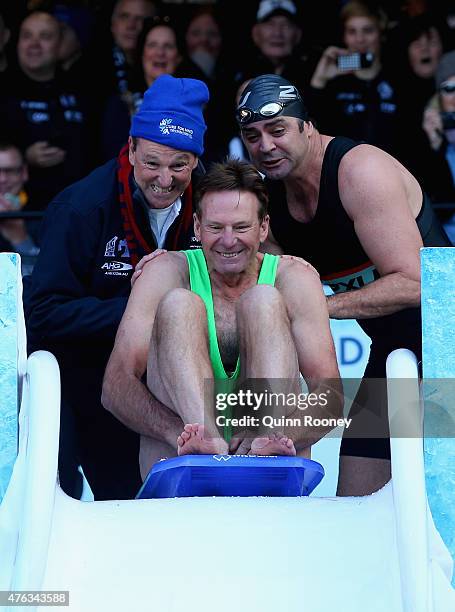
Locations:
(372, 189)
(124, 394)
(309, 319)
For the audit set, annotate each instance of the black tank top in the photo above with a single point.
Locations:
(330, 244)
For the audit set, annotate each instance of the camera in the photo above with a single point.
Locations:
(355, 61)
(448, 120)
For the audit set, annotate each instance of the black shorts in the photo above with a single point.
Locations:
(368, 434)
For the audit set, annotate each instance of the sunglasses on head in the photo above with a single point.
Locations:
(447, 88)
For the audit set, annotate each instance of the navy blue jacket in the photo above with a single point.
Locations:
(81, 281)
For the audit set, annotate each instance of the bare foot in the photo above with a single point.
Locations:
(273, 444)
(192, 442)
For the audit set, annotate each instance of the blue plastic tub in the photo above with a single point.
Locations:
(231, 475)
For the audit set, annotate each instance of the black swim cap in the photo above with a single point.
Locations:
(268, 96)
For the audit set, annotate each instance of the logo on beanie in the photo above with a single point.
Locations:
(164, 125)
(167, 127)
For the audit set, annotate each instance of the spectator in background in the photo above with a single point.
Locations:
(4, 38)
(203, 41)
(158, 53)
(41, 114)
(416, 53)
(360, 104)
(439, 127)
(76, 27)
(115, 67)
(276, 36)
(206, 59)
(13, 232)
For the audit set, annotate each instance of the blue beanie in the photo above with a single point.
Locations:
(171, 114)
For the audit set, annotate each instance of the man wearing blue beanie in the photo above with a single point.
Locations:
(171, 114)
(94, 234)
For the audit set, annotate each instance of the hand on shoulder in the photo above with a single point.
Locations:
(155, 265)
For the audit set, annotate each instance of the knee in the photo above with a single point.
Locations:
(261, 301)
(178, 304)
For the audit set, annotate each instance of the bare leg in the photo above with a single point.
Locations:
(267, 352)
(177, 366)
(362, 475)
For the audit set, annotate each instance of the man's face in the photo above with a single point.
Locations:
(362, 35)
(127, 21)
(276, 37)
(38, 44)
(203, 34)
(162, 173)
(424, 53)
(229, 230)
(13, 172)
(276, 146)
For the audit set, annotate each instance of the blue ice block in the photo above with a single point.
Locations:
(231, 475)
(438, 323)
(9, 266)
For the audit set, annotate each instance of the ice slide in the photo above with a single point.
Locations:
(375, 553)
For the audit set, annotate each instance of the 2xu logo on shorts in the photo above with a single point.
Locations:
(355, 280)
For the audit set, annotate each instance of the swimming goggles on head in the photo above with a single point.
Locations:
(268, 110)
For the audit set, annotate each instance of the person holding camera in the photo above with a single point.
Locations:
(439, 126)
(351, 93)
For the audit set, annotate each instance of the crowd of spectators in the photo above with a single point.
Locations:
(72, 74)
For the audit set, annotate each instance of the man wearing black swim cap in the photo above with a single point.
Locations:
(360, 218)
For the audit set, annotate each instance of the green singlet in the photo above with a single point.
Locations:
(200, 284)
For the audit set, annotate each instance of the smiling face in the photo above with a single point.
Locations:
(277, 147)
(160, 55)
(424, 53)
(276, 37)
(162, 173)
(230, 230)
(38, 45)
(362, 35)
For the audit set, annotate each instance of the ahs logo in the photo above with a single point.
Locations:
(116, 265)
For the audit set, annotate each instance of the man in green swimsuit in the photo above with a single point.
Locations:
(222, 312)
